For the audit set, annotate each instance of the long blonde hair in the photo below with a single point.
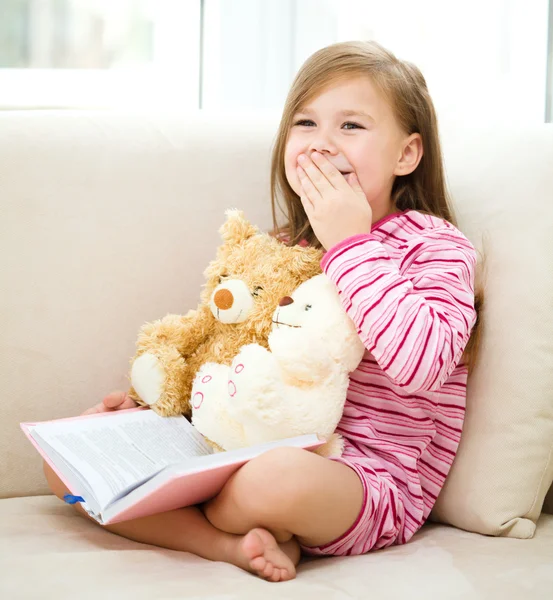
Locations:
(402, 84)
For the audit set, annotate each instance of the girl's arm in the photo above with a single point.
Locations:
(415, 319)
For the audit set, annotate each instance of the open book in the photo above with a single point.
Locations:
(132, 463)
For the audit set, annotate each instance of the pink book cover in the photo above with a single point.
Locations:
(176, 490)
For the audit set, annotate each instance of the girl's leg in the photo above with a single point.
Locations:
(290, 492)
(188, 530)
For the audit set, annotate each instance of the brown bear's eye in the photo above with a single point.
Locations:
(256, 290)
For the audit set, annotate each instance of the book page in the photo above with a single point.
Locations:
(74, 481)
(117, 451)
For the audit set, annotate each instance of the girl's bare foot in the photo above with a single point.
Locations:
(260, 553)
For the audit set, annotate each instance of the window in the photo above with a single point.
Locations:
(99, 53)
(486, 59)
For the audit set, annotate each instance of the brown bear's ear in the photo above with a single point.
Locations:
(237, 227)
(305, 262)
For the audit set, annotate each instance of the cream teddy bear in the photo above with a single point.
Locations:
(244, 282)
(297, 387)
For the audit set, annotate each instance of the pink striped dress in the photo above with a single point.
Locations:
(409, 288)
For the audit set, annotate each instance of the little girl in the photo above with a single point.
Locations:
(358, 164)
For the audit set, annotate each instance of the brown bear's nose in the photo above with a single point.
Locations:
(285, 301)
(223, 299)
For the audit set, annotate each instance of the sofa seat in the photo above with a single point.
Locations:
(49, 551)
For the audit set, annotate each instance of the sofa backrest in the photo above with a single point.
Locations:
(108, 221)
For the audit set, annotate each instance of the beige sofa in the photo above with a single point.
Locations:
(107, 221)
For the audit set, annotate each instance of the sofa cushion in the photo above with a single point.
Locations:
(72, 557)
(502, 181)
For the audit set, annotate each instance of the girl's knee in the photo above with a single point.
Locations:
(274, 481)
(279, 466)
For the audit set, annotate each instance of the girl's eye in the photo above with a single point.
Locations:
(308, 307)
(222, 277)
(349, 125)
(355, 125)
(256, 290)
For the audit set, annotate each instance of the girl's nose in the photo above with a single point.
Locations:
(285, 301)
(322, 142)
(323, 147)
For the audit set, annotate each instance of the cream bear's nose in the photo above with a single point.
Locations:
(286, 301)
(223, 299)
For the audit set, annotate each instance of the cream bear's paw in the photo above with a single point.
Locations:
(254, 384)
(147, 378)
(254, 368)
(209, 407)
(208, 387)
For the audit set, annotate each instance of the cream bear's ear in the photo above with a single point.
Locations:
(237, 227)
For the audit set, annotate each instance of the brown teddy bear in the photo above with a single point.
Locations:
(252, 271)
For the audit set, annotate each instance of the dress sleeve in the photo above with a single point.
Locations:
(414, 317)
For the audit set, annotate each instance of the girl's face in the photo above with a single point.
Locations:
(355, 128)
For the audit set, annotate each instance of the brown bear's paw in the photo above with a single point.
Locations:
(148, 377)
(158, 381)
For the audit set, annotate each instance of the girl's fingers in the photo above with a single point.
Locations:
(353, 182)
(114, 400)
(129, 403)
(98, 408)
(332, 174)
(307, 206)
(315, 176)
(310, 190)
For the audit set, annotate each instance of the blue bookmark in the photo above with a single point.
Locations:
(70, 499)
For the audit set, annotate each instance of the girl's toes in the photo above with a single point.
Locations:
(258, 563)
(276, 576)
